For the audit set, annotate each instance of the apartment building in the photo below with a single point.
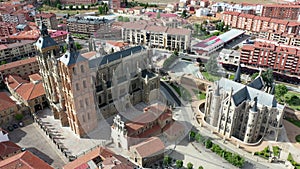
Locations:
(281, 58)
(157, 36)
(7, 29)
(22, 68)
(15, 18)
(255, 24)
(16, 51)
(86, 25)
(243, 112)
(282, 11)
(49, 19)
(282, 38)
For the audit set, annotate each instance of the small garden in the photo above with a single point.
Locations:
(295, 122)
(265, 153)
(168, 161)
(293, 162)
(209, 76)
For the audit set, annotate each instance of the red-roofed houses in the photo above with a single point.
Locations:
(31, 94)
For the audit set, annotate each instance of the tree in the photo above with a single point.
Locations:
(200, 167)
(19, 117)
(78, 45)
(167, 160)
(199, 138)
(192, 135)
(197, 27)
(158, 15)
(280, 90)
(189, 165)
(208, 144)
(120, 18)
(268, 77)
(3, 62)
(126, 19)
(184, 14)
(58, 6)
(254, 75)
(179, 163)
(100, 9)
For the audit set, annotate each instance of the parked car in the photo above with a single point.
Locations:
(10, 128)
(15, 126)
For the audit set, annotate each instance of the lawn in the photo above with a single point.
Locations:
(295, 122)
(295, 102)
(275, 150)
(297, 138)
(265, 153)
(200, 95)
(182, 92)
(210, 77)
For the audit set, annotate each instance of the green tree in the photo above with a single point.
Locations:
(200, 167)
(120, 18)
(158, 15)
(179, 163)
(167, 160)
(2, 62)
(208, 144)
(100, 9)
(175, 53)
(190, 165)
(78, 45)
(268, 77)
(58, 6)
(197, 28)
(199, 138)
(19, 117)
(184, 14)
(254, 75)
(192, 135)
(126, 19)
(82, 7)
(280, 91)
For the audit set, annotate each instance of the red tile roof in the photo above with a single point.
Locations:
(27, 90)
(24, 160)
(6, 102)
(35, 77)
(15, 64)
(118, 44)
(248, 47)
(45, 15)
(232, 13)
(149, 147)
(8, 148)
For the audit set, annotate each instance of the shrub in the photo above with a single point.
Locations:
(208, 144)
(179, 163)
(19, 116)
(190, 165)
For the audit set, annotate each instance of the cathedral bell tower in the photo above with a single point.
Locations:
(48, 52)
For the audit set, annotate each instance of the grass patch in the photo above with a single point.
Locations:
(182, 92)
(265, 153)
(47, 8)
(295, 122)
(293, 162)
(297, 138)
(276, 150)
(200, 95)
(210, 77)
(293, 99)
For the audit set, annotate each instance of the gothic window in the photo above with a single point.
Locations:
(99, 99)
(77, 86)
(86, 102)
(81, 103)
(84, 84)
(83, 118)
(81, 68)
(74, 70)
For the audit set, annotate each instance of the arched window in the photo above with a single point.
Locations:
(81, 68)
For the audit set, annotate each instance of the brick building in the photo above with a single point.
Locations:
(281, 58)
(255, 24)
(16, 51)
(8, 109)
(7, 29)
(30, 93)
(86, 25)
(281, 11)
(49, 19)
(22, 68)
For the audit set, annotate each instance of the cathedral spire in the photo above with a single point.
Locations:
(254, 108)
(237, 76)
(43, 28)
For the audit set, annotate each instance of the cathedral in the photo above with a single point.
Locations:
(244, 112)
(84, 88)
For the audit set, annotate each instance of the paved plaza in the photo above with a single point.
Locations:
(36, 141)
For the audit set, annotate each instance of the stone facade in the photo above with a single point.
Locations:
(244, 112)
(85, 88)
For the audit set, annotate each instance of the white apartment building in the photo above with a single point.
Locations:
(157, 36)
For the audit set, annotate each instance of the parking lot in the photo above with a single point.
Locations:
(36, 141)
